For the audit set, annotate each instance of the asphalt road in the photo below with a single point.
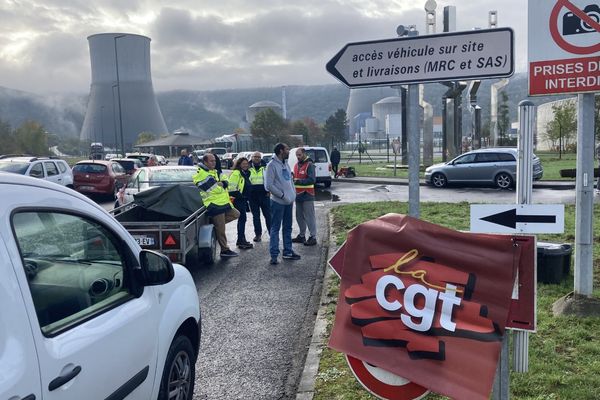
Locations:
(257, 319)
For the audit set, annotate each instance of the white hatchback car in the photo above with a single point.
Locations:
(149, 177)
(48, 168)
(86, 313)
(321, 160)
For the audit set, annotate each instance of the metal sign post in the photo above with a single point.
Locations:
(527, 117)
(584, 211)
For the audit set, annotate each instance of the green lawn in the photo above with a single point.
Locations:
(564, 354)
(550, 161)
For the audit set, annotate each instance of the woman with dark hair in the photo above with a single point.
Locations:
(239, 186)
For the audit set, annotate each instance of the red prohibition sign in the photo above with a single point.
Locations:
(401, 389)
(558, 37)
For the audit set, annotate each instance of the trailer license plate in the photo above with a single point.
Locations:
(144, 240)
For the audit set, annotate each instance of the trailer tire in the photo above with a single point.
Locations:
(210, 255)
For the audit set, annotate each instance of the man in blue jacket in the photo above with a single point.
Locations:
(278, 181)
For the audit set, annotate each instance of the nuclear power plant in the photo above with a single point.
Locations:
(122, 103)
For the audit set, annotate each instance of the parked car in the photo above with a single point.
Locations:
(497, 166)
(143, 157)
(216, 150)
(162, 160)
(246, 154)
(227, 160)
(99, 177)
(320, 157)
(47, 168)
(149, 177)
(198, 154)
(266, 157)
(86, 313)
(129, 164)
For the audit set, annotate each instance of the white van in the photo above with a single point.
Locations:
(86, 313)
(320, 157)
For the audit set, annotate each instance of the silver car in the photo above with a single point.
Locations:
(497, 166)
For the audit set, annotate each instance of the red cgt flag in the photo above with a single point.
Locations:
(425, 302)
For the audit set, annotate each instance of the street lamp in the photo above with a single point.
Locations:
(119, 93)
(115, 121)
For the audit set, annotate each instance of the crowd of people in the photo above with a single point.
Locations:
(268, 189)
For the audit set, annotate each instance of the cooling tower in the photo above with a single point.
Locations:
(261, 106)
(122, 103)
(361, 101)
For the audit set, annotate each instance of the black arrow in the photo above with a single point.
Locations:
(510, 218)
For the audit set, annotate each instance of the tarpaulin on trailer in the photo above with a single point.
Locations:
(178, 201)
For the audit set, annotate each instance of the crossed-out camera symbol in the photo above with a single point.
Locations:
(573, 25)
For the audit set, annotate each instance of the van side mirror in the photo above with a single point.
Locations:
(156, 268)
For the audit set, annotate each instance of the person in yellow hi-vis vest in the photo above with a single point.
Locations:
(239, 187)
(215, 196)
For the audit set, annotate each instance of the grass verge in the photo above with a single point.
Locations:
(564, 354)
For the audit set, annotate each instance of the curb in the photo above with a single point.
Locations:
(556, 185)
(306, 387)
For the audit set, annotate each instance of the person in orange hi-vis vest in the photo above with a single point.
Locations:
(304, 182)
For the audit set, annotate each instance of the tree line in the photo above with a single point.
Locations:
(269, 128)
(30, 138)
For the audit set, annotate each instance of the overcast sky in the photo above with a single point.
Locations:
(204, 45)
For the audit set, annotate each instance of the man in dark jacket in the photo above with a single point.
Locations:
(259, 197)
(335, 160)
(185, 159)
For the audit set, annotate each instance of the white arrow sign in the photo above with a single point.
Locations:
(431, 58)
(518, 218)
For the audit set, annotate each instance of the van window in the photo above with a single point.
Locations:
(73, 267)
(51, 169)
(37, 171)
(62, 166)
(506, 157)
(317, 155)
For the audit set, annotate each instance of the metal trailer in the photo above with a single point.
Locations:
(178, 239)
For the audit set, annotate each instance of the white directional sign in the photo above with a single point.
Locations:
(518, 218)
(431, 58)
(564, 46)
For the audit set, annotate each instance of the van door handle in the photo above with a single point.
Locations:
(30, 397)
(61, 380)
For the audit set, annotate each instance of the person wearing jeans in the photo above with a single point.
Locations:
(278, 181)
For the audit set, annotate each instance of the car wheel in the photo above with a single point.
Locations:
(327, 184)
(439, 180)
(178, 376)
(503, 180)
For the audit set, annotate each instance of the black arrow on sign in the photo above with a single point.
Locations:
(510, 218)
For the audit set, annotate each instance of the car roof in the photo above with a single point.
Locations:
(169, 167)
(103, 162)
(30, 159)
(9, 178)
(496, 150)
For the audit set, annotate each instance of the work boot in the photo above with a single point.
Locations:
(229, 253)
(291, 256)
(311, 241)
(298, 239)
